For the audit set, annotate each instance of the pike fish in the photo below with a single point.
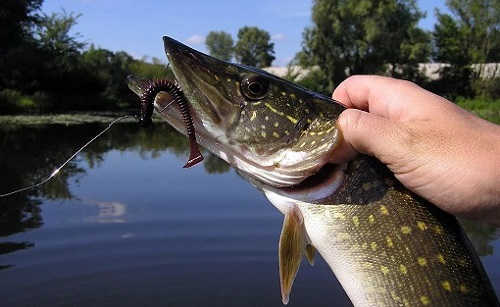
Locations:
(385, 245)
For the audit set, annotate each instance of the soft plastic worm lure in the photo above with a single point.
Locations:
(149, 90)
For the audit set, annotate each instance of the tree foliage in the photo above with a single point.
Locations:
(480, 21)
(469, 35)
(53, 34)
(450, 47)
(48, 68)
(450, 41)
(254, 47)
(17, 19)
(220, 45)
(356, 37)
(45, 67)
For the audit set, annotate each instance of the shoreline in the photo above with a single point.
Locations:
(74, 118)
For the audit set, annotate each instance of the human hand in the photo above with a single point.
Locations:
(436, 149)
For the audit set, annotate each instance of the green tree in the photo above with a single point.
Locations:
(254, 47)
(479, 20)
(44, 67)
(469, 35)
(106, 72)
(19, 52)
(53, 33)
(17, 21)
(220, 45)
(450, 41)
(157, 69)
(450, 47)
(61, 73)
(355, 37)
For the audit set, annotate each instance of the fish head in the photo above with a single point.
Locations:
(268, 127)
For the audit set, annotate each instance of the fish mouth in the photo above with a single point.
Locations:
(214, 116)
(193, 71)
(315, 189)
(239, 157)
(323, 184)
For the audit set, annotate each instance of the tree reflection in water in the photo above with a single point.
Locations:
(30, 154)
(482, 236)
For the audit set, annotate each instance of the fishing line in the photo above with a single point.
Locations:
(56, 171)
(165, 107)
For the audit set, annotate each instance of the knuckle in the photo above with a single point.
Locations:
(349, 120)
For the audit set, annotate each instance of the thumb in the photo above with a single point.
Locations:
(370, 134)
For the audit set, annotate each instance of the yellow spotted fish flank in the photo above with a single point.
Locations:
(397, 248)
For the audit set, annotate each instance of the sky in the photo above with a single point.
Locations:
(138, 26)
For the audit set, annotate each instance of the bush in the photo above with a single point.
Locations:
(454, 82)
(316, 81)
(485, 108)
(487, 88)
(13, 101)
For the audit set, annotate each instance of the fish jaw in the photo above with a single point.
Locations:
(281, 137)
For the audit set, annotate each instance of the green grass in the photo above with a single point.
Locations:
(75, 118)
(488, 109)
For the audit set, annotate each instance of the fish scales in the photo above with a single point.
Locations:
(401, 250)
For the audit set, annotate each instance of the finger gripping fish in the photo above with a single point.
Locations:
(149, 90)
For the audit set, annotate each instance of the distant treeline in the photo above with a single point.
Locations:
(383, 37)
(45, 69)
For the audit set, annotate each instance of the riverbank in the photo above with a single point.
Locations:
(74, 118)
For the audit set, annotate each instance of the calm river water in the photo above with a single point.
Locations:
(126, 225)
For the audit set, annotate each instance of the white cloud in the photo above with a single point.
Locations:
(278, 37)
(196, 39)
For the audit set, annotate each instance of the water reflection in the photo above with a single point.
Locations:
(29, 154)
(133, 219)
(9, 247)
(482, 236)
(109, 212)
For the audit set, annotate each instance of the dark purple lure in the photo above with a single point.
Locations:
(153, 87)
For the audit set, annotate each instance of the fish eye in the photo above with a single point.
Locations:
(254, 87)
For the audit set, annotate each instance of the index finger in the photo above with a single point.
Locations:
(384, 96)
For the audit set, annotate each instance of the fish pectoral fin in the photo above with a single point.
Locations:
(291, 249)
(310, 253)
